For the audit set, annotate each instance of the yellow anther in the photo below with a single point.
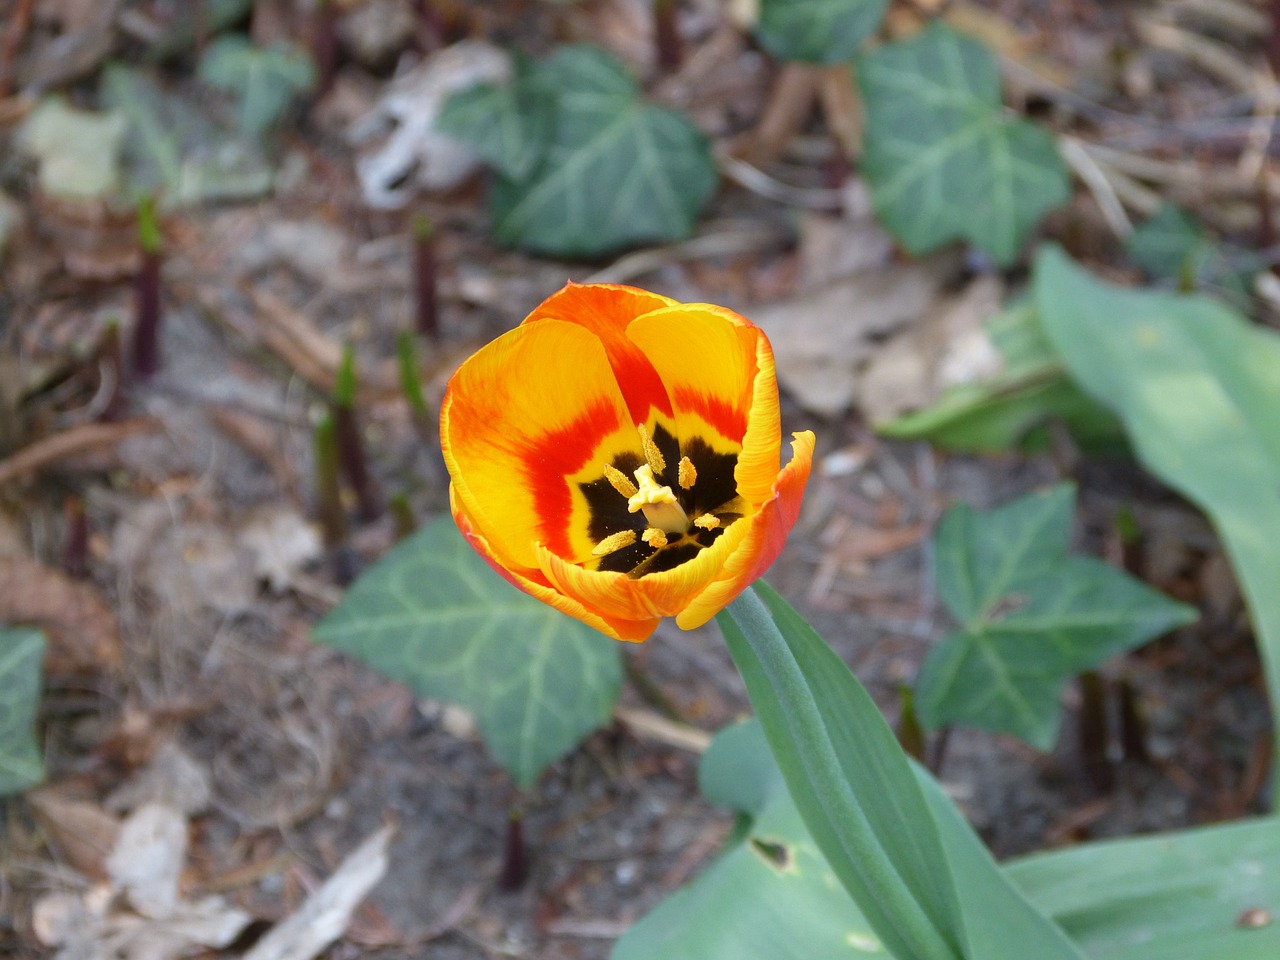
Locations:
(651, 452)
(615, 541)
(688, 475)
(660, 506)
(655, 538)
(707, 521)
(619, 481)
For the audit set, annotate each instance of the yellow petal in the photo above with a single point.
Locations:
(524, 421)
(719, 373)
(606, 309)
(534, 583)
(765, 534)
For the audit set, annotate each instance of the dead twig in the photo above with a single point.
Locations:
(86, 438)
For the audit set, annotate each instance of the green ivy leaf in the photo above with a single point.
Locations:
(616, 170)
(943, 159)
(1172, 245)
(1195, 384)
(509, 126)
(263, 80)
(21, 655)
(433, 615)
(1031, 617)
(817, 31)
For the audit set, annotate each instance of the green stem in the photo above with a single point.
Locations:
(803, 735)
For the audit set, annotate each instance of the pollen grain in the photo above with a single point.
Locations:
(708, 521)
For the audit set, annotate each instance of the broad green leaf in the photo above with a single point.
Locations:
(432, 615)
(1031, 617)
(817, 31)
(1016, 408)
(21, 654)
(943, 159)
(616, 170)
(507, 125)
(771, 896)
(741, 908)
(1197, 388)
(263, 80)
(860, 800)
(1175, 896)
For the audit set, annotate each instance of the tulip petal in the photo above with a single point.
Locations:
(525, 422)
(719, 373)
(606, 309)
(534, 583)
(766, 534)
(631, 599)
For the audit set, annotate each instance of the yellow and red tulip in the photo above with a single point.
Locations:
(617, 456)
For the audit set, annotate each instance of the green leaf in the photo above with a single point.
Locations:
(21, 655)
(78, 151)
(616, 170)
(433, 615)
(817, 31)
(509, 126)
(942, 158)
(1196, 386)
(771, 896)
(743, 908)
(859, 798)
(1030, 617)
(1016, 408)
(263, 80)
(1176, 896)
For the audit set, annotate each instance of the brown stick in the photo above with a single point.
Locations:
(44, 453)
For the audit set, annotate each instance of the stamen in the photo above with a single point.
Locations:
(651, 452)
(688, 474)
(654, 538)
(619, 481)
(614, 542)
(708, 521)
(660, 506)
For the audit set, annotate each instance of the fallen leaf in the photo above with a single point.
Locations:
(282, 542)
(821, 340)
(81, 628)
(148, 857)
(82, 833)
(173, 777)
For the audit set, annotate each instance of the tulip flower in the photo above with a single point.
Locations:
(617, 456)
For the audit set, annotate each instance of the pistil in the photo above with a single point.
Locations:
(659, 503)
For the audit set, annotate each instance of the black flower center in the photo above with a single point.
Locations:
(695, 478)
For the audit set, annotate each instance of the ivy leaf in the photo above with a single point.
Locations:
(509, 126)
(616, 170)
(263, 80)
(1031, 617)
(21, 654)
(1172, 245)
(433, 615)
(817, 31)
(942, 158)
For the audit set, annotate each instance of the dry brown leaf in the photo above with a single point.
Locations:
(86, 438)
(822, 340)
(82, 631)
(80, 832)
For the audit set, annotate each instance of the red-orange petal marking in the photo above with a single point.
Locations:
(606, 309)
